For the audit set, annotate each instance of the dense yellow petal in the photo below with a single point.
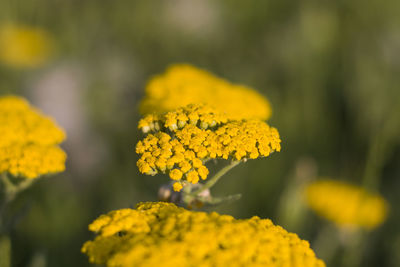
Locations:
(24, 46)
(29, 140)
(184, 84)
(346, 204)
(31, 160)
(161, 234)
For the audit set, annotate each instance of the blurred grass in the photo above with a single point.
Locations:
(330, 69)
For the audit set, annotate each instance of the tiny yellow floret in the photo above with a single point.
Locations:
(162, 234)
(177, 186)
(175, 174)
(24, 46)
(29, 140)
(183, 84)
(345, 204)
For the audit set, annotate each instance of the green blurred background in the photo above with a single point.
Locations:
(331, 70)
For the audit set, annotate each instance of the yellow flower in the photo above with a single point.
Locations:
(189, 136)
(175, 174)
(346, 205)
(183, 84)
(161, 234)
(177, 186)
(24, 46)
(28, 143)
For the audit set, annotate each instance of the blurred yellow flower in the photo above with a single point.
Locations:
(161, 234)
(345, 204)
(24, 46)
(183, 84)
(179, 142)
(28, 143)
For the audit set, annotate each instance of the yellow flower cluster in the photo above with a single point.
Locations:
(184, 139)
(28, 143)
(345, 204)
(200, 115)
(183, 84)
(161, 234)
(23, 46)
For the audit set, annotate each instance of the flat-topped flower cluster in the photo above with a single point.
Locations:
(24, 46)
(161, 233)
(345, 204)
(181, 141)
(29, 140)
(183, 84)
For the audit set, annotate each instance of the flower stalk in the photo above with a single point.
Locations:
(5, 251)
(11, 190)
(211, 182)
(190, 195)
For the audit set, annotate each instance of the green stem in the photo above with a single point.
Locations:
(10, 191)
(326, 243)
(5, 251)
(353, 248)
(380, 146)
(375, 160)
(215, 178)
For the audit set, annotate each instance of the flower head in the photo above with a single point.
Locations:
(183, 84)
(179, 142)
(24, 46)
(28, 144)
(156, 233)
(345, 204)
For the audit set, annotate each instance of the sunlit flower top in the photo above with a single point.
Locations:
(183, 84)
(24, 46)
(346, 205)
(181, 141)
(161, 234)
(28, 143)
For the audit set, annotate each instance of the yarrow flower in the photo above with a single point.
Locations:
(345, 204)
(158, 233)
(24, 46)
(180, 142)
(29, 140)
(183, 84)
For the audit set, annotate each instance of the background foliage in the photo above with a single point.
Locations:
(329, 68)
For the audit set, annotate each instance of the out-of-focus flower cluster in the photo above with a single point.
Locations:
(29, 140)
(24, 46)
(346, 205)
(183, 84)
(160, 232)
(183, 140)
